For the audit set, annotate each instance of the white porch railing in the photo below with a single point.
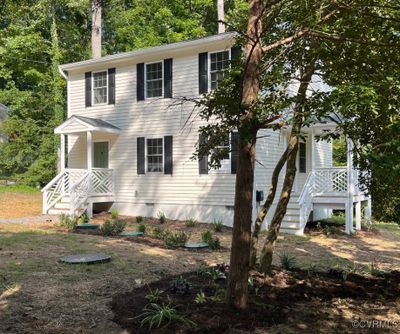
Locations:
(305, 199)
(80, 185)
(332, 180)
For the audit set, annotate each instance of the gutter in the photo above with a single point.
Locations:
(63, 73)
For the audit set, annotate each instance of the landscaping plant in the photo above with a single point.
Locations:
(213, 243)
(68, 221)
(141, 228)
(218, 225)
(114, 214)
(139, 219)
(161, 217)
(288, 262)
(112, 227)
(155, 315)
(84, 218)
(175, 239)
(191, 222)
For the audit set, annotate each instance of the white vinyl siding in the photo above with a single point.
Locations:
(100, 87)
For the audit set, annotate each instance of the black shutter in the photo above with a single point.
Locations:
(140, 81)
(234, 152)
(203, 161)
(88, 89)
(168, 77)
(302, 158)
(236, 52)
(111, 86)
(168, 155)
(203, 73)
(140, 156)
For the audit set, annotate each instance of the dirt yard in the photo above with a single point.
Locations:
(19, 201)
(40, 295)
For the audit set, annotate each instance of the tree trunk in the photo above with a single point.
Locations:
(298, 119)
(237, 291)
(265, 208)
(96, 28)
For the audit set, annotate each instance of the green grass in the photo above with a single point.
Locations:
(387, 226)
(18, 188)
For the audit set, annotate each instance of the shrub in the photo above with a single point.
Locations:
(161, 217)
(139, 219)
(180, 286)
(84, 218)
(191, 222)
(218, 225)
(114, 214)
(112, 227)
(141, 228)
(200, 298)
(68, 221)
(158, 233)
(175, 239)
(155, 315)
(288, 262)
(213, 243)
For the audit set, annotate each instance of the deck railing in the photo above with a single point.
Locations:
(331, 180)
(79, 184)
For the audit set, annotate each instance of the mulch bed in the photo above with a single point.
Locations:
(273, 300)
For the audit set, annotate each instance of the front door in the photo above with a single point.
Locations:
(100, 154)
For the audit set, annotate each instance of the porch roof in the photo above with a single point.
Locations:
(76, 124)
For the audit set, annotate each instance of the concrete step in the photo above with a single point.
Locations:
(58, 212)
(290, 223)
(62, 206)
(65, 199)
(288, 230)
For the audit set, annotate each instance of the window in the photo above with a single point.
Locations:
(154, 79)
(100, 87)
(302, 158)
(219, 61)
(154, 155)
(224, 148)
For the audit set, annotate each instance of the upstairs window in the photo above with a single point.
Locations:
(224, 148)
(100, 86)
(219, 61)
(154, 79)
(154, 154)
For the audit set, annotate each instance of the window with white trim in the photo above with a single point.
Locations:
(154, 154)
(224, 153)
(154, 79)
(219, 61)
(224, 148)
(100, 87)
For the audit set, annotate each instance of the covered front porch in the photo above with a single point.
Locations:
(335, 187)
(88, 178)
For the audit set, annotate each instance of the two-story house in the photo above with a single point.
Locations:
(126, 145)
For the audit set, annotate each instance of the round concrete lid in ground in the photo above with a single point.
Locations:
(196, 245)
(86, 258)
(131, 234)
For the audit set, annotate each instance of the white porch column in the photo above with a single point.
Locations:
(350, 187)
(368, 210)
(312, 150)
(89, 149)
(358, 215)
(62, 160)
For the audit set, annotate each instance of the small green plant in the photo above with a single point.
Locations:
(161, 217)
(252, 283)
(200, 298)
(375, 271)
(219, 295)
(155, 315)
(139, 219)
(180, 286)
(112, 227)
(158, 233)
(312, 269)
(288, 262)
(141, 228)
(68, 221)
(175, 239)
(213, 243)
(154, 296)
(218, 225)
(114, 214)
(84, 218)
(191, 222)
(329, 230)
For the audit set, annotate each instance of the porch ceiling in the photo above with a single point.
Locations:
(78, 124)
